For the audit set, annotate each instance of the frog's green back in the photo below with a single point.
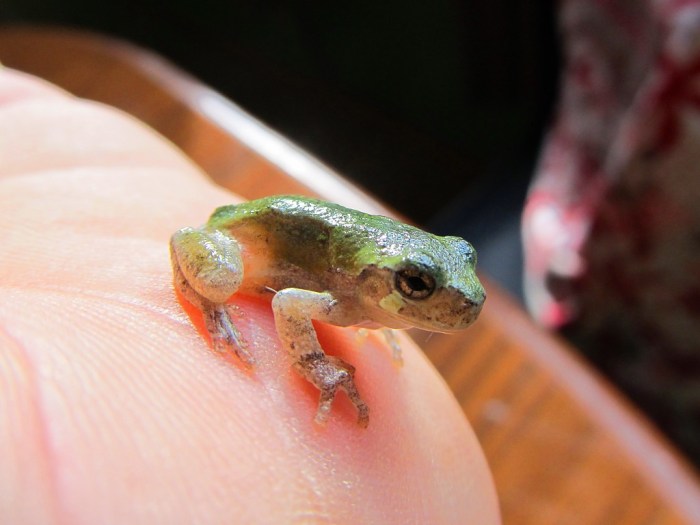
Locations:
(292, 206)
(323, 237)
(310, 233)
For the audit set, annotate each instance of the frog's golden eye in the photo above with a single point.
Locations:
(413, 283)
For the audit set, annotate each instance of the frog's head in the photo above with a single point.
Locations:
(431, 284)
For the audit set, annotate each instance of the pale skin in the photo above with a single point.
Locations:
(114, 410)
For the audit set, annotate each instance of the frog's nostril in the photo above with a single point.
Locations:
(473, 304)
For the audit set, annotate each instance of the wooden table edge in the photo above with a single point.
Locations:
(655, 457)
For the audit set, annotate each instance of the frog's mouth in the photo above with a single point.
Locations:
(446, 311)
(450, 319)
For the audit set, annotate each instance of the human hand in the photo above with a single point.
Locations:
(113, 409)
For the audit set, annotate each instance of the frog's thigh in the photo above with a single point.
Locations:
(209, 261)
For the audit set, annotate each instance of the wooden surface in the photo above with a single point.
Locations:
(564, 447)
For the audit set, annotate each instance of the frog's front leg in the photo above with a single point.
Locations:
(294, 309)
(208, 269)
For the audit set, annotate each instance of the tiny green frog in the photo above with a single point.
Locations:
(323, 261)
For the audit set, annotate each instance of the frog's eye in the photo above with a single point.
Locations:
(413, 283)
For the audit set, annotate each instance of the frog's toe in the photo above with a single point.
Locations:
(225, 336)
(324, 407)
(329, 374)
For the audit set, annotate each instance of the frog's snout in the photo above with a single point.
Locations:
(472, 294)
(473, 304)
(470, 308)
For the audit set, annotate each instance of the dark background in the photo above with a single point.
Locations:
(438, 108)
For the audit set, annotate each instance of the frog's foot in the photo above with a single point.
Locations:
(328, 374)
(393, 341)
(224, 334)
(361, 336)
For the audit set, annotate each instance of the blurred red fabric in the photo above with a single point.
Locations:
(612, 222)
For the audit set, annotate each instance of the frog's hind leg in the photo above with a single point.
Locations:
(294, 309)
(207, 270)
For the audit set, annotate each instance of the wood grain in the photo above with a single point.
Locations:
(563, 445)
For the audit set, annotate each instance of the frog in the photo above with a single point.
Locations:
(321, 261)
